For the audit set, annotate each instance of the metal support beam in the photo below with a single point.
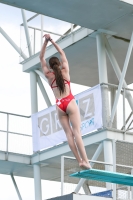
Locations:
(112, 95)
(16, 187)
(62, 175)
(114, 168)
(37, 182)
(108, 158)
(34, 45)
(7, 140)
(122, 77)
(124, 121)
(44, 93)
(26, 32)
(34, 109)
(118, 71)
(13, 43)
(30, 19)
(132, 186)
(95, 157)
(33, 89)
(41, 74)
(72, 33)
(103, 78)
(42, 21)
(86, 188)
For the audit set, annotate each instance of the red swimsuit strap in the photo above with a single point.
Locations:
(67, 82)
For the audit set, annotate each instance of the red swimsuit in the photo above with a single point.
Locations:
(63, 102)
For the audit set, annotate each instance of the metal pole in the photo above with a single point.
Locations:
(108, 157)
(113, 94)
(62, 175)
(13, 44)
(34, 41)
(41, 74)
(72, 33)
(122, 77)
(124, 121)
(132, 186)
(16, 187)
(42, 21)
(103, 78)
(114, 168)
(37, 182)
(34, 109)
(44, 93)
(7, 137)
(128, 192)
(33, 89)
(95, 157)
(118, 71)
(26, 32)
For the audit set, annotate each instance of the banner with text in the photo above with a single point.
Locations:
(47, 130)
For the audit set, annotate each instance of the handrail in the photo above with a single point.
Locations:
(15, 114)
(110, 84)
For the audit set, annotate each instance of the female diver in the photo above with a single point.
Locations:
(67, 109)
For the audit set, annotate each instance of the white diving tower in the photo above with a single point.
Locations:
(99, 52)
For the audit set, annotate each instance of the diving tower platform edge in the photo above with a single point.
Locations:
(105, 176)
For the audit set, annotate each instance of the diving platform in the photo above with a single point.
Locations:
(105, 176)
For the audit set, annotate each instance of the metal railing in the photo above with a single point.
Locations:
(124, 115)
(35, 32)
(15, 133)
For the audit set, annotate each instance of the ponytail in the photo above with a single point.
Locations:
(54, 64)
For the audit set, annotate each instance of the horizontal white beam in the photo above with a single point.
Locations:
(15, 157)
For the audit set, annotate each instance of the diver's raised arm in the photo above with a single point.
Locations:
(42, 59)
(61, 52)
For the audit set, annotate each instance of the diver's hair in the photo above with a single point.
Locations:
(55, 65)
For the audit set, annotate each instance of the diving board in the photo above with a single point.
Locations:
(105, 176)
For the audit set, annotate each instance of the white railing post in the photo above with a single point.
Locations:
(34, 50)
(7, 137)
(124, 121)
(62, 175)
(42, 21)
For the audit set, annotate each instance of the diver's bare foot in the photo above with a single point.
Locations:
(85, 165)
